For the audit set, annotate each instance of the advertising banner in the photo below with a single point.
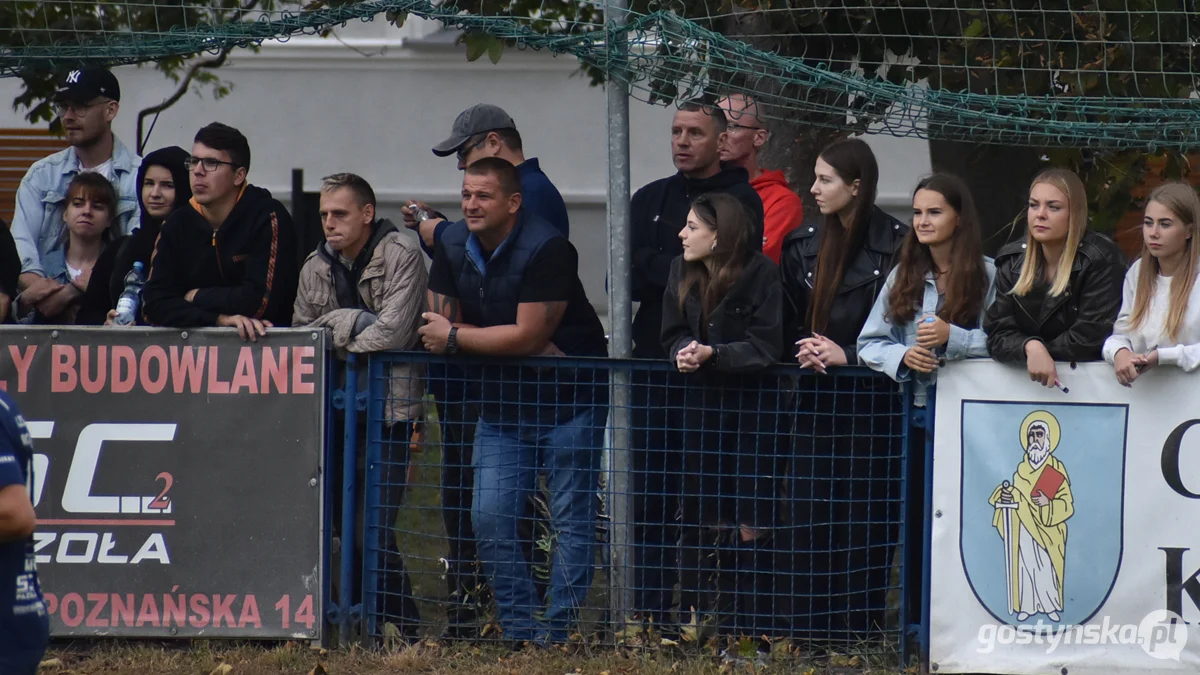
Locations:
(1065, 535)
(177, 478)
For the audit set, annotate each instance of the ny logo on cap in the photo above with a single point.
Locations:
(73, 77)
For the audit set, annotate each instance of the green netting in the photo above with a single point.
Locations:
(1102, 73)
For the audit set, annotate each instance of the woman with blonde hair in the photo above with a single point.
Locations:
(1058, 291)
(1159, 322)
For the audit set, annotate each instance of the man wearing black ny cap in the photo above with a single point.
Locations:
(485, 130)
(86, 102)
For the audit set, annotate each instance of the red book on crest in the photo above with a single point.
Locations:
(1049, 482)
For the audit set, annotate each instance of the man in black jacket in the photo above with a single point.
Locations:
(227, 259)
(658, 212)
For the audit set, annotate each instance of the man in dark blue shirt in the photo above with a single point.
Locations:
(483, 130)
(24, 622)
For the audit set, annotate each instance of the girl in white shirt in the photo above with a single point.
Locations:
(1159, 323)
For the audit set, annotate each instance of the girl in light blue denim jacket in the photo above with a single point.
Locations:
(931, 308)
(930, 311)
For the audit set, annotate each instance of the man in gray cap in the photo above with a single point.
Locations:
(485, 130)
(86, 102)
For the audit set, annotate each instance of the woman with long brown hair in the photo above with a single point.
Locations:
(929, 312)
(1159, 321)
(844, 482)
(723, 327)
(931, 307)
(1059, 290)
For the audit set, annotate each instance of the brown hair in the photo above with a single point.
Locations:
(853, 160)
(966, 282)
(726, 215)
(1181, 200)
(1069, 184)
(96, 189)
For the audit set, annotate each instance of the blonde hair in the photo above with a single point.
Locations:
(1181, 200)
(1070, 185)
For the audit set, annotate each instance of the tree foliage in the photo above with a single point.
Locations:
(74, 23)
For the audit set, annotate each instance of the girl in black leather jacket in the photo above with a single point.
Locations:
(844, 482)
(1058, 291)
(723, 327)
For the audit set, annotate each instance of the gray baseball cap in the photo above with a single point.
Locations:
(479, 118)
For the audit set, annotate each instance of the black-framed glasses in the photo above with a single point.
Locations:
(209, 163)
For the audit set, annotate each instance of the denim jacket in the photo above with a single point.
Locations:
(881, 346)
(38, 226)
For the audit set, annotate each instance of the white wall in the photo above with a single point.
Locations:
(374, 99)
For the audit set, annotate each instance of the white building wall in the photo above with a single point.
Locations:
(374, 99)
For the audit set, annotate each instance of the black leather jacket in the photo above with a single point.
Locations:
(656, 215)
(1073, 325)
(861, 280)
(745, 329)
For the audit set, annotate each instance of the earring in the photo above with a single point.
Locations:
(714, 248)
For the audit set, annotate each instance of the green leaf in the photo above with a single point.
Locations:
(397, 18)
(477, 44)
(495, 49)
(973, 29)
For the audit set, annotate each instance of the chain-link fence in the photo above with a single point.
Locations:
(763, 509)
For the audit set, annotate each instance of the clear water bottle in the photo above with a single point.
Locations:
(131, 297)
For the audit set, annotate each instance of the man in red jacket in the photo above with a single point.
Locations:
(745, 135)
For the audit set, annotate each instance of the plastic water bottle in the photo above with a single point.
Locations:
(131, 297)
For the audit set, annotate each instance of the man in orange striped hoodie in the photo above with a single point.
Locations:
(745, 134)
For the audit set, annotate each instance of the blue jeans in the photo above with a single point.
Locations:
(507, 462)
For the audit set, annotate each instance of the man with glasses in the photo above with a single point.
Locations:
(744, 136)
(228, 259)
(86, 102)
(485, 130)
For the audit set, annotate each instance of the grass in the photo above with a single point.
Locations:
(220, 658)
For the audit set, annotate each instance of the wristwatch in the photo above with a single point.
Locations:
(452, 341)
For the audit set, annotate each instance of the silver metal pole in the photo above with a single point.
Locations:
(620, 316)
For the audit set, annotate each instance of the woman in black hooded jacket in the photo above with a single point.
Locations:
(162, 187)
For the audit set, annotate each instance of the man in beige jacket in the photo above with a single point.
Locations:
(367, 284)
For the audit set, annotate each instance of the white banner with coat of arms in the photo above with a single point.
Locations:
(1066, 528)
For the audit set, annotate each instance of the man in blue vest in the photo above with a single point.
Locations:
(505, 283)
(483, 130)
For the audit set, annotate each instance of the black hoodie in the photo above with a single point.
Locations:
(246, 266)
(108, 275)
(657, 213)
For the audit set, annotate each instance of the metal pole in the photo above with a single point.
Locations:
(349, 501)
(620, 317)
